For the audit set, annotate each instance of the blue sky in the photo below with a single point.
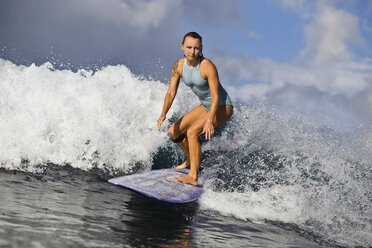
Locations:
(275, 29)
(260, 34)
(315, 55)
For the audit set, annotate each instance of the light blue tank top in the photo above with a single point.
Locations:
(192, 78)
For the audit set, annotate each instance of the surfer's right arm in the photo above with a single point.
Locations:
(172, 90)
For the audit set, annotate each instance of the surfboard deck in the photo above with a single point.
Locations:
(160, 185)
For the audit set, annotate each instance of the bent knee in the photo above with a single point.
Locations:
(171, 132)
(193, 132)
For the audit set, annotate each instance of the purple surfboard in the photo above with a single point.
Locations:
(160, 184)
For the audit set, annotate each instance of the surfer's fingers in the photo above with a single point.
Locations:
(159, 125)
(205, 132)
(208, 134)
(211, 132)
(160, 121)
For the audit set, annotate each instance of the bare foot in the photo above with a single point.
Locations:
(187, 179)
(182, 166)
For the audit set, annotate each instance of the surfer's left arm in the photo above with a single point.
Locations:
(210, 71)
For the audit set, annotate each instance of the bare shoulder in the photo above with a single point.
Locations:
(177, 67)
(207, 66)
(206, 62)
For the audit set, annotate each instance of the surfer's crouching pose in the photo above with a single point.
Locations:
(201, 75)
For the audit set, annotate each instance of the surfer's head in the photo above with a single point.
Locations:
(194, 35)
(192, 45)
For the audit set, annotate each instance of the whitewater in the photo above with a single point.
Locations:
(264, 167)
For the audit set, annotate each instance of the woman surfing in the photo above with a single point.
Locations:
(201, 75)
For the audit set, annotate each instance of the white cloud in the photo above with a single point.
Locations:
(345, 90)
(140, 15)
(327, 36)
(328, 79)
(346, 79)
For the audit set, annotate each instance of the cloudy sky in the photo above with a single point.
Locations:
(306, 54)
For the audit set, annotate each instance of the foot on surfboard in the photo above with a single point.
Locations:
(182, 166)
(187, 179)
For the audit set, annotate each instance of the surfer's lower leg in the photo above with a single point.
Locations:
(181, 141)
(185, 148)
(195, 157)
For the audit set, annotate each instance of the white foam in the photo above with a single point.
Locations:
(285, 168)
(280, 203)
(84, 119)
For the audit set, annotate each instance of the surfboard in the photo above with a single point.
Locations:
(160, 185)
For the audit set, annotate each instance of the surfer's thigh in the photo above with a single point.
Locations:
(223, 114)
(183, 124)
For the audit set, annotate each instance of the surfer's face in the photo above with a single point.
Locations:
(191, 48)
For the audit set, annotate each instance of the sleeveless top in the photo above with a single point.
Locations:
(192, 78)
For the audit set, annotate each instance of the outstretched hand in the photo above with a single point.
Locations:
(208, 129)
(160, 121)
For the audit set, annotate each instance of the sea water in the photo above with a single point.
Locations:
(271, 178)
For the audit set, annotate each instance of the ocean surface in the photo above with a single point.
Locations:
(272, 178)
